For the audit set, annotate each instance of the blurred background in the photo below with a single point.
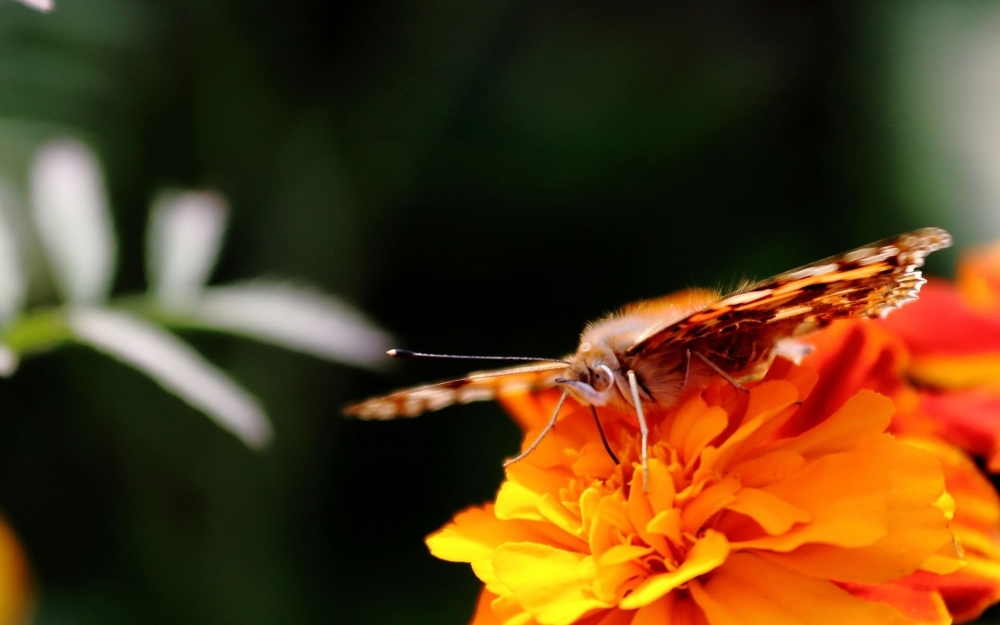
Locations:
(477, 177)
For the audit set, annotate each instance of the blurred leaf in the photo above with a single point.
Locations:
(176, 367)
(70, 208)
(12, 282)
(296, 318)
(185, 235)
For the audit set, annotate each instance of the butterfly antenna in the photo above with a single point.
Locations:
(405, 353)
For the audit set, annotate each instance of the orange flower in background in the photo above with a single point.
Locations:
(15, 581)
(740, 523)
(938, 359)
(955, 358)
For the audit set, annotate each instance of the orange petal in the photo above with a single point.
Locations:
(915, 526)
(976, 525)
(474, 534)
(553, 585)
(611, 521)
(768, 468)
(620, 554)
(748, 589)
(803, 378)
(966, 593)
(941, 323)
(641, 504)
(667, 523)
(771, 404)
(849, 356)
(484, 611)
(607, 617)
(708, 502)
(865, 414)
(15, 579)
(521, 494)
(772, 513)
(970, 419)
(669, 609)
(958, 372)
(920, 606)
(978, 278)
(531, 410)
(707, 553)
(687, 417)
(846, 494)
(705, 429)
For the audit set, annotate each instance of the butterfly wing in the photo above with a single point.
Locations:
(741, 328)
(479, 386)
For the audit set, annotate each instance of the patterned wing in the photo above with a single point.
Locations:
(479, 386)
(867, 282)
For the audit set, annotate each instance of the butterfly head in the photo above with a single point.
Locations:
(591, 376)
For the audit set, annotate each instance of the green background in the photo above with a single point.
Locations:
(479, 177)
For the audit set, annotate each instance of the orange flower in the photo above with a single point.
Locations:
(741, 523)
(939, 361)
(952, 336)
(15, 584)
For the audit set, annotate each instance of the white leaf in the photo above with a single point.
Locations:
(294, 317)
(12, 280)
(42, 5)
(185, 235)
(176, 367)
(8, 361)
(70, 208)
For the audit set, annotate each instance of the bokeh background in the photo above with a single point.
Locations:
(478, 177)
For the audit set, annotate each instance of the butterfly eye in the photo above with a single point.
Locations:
(601, 378)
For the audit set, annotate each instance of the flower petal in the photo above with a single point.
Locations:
(772, 513)
(957, 330)
(978, 278)
(484, 610)
(865, 414)
(473, 535)
(183, 243)
(70, 208)
(915, 529)
(976, 525)
(175, 366)
(958, 372)
(748, 589)
(15, 579)
(669, 609)
(553, 585)
(968, 418)
(708, 552)
(847, 497)
(293, 317)
(919, 605)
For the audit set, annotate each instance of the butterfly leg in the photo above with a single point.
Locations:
(548, 428)
(717, 369)
(643, 428)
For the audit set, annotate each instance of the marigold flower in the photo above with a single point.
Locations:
(745, 519)
(957, 362)
(938, 359)
(15, 581)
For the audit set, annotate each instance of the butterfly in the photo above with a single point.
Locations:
(649, 353)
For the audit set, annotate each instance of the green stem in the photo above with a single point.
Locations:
(38, 331)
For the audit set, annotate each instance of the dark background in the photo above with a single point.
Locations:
(479, 177)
